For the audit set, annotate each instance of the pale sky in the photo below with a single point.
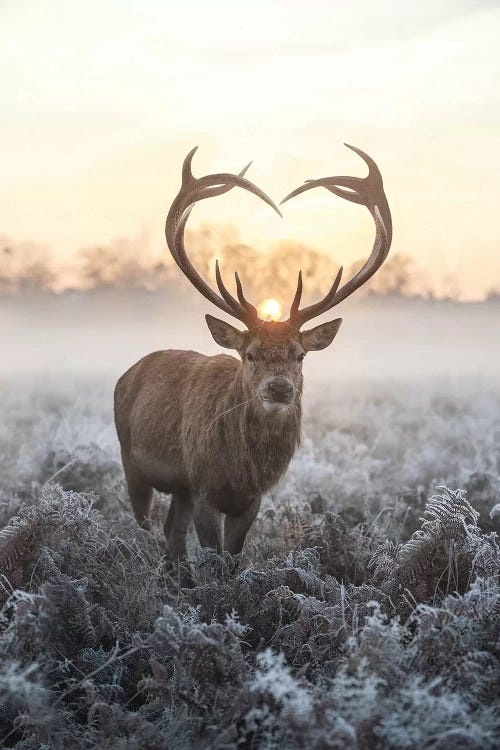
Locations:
(102, 99)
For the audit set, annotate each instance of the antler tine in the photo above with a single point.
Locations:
(367, 191)
(296, 300)
(192, 190)
(243, 301)
(299, 317)
(222, 288)
(234, 180)
(252, 315)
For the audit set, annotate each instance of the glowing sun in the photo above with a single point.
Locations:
(270, 309)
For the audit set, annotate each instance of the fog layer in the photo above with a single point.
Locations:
(104, 331)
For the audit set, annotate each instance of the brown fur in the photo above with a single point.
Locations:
(195, 426)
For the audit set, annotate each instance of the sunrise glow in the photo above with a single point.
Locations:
(119, 103)
(270, 309)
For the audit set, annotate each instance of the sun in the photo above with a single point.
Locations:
(270, 309)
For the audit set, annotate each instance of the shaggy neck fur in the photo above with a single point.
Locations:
(244, 446)
(269, 441)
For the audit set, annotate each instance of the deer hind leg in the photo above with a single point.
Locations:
(237, 527)
(179, 517)
(208, 524)
(140, 492)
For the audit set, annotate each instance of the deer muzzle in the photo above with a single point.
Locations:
(276, 393)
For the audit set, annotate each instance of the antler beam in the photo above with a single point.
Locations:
(195, 189)
(367, 191)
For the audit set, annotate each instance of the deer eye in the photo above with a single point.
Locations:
(300, 357)
(250, 357)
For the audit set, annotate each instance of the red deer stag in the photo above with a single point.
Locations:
(218, 432)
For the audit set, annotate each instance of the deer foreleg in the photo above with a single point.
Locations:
(176, 525)
(208, 523)
(237, 527)
(140, 492)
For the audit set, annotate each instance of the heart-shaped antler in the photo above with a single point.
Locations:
(367, 191)
(195, 189)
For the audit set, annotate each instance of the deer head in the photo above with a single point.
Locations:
(272, 352)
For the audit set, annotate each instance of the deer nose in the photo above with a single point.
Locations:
(280, 389)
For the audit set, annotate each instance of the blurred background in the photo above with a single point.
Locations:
(102, 101)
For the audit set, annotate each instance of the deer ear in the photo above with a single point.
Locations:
(321, 336)
(224, 334)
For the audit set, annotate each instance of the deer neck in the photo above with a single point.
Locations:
(266, 440)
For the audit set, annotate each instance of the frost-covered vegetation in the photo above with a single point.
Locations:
(363, 613)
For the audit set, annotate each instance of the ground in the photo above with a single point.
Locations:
(364, 611)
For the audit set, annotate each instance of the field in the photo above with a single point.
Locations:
(158, 149)
(364, 611)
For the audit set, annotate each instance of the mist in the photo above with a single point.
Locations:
(104, 331)
(99, 310)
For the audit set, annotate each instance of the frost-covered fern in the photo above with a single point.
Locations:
(360, 615)
(445, 554)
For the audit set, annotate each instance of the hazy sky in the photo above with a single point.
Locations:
(101, 100)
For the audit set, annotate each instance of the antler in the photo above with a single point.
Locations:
(195, 189)
(367, 191)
